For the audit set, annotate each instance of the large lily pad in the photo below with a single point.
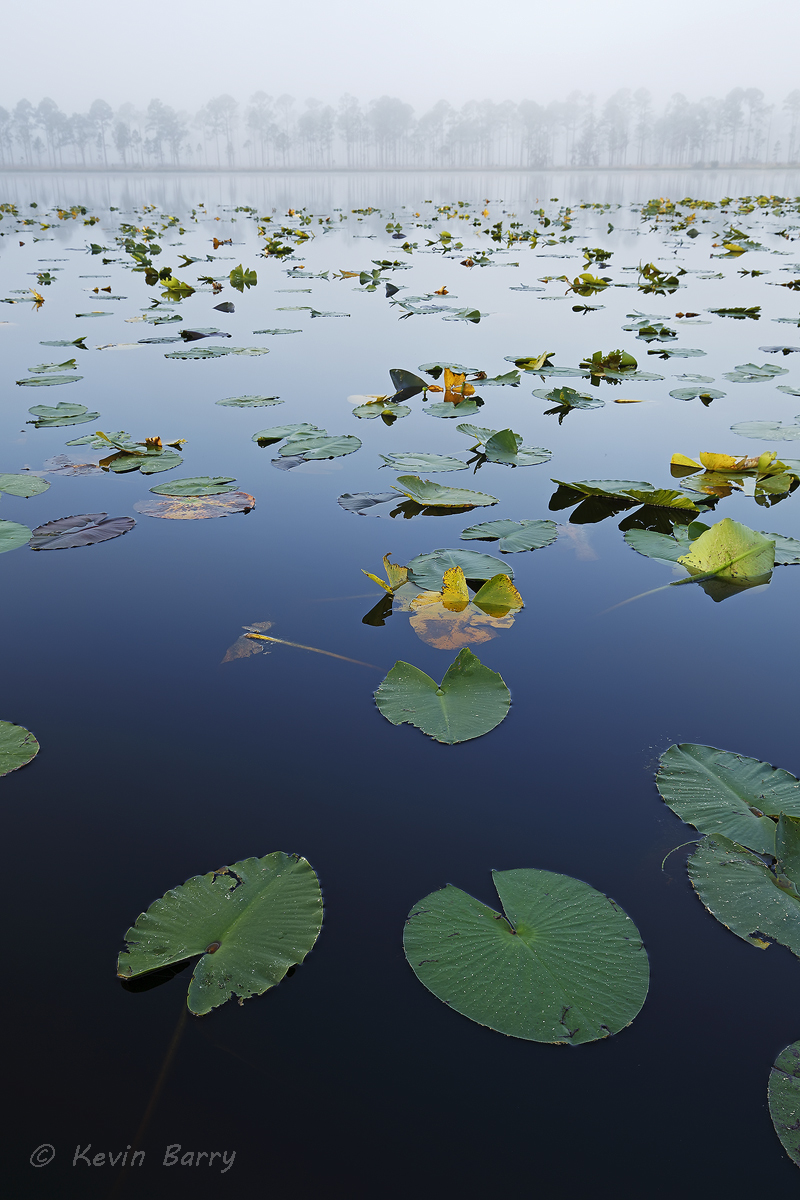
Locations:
(48, 380)
(63, 413)
(513, 536)
(249, 923)
(426, 571)
(13, 535)
(276, 433)
(562, 963)
(434, 495)
(17, 747)
(470, 701)
(750, 373)
(730, 794)
(783, 1093)
(768, 431)
(25, 485)
(196, 508)
(68, 532)
(728, 556)
(199, 485)
(738, 888)
(322, 445)
(467, 408)
(412, 460)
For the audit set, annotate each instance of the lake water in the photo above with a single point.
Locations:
(160, 762)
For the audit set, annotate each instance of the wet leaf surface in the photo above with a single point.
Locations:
(196, 508)
(66, 533)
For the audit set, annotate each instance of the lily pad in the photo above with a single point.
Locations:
(783, 1092)
(768, 431)
(196, 508)
(250, 401)
(360, 502)
(471, 700)
(416, 461)
(663, 547)
(787, 549)
(249, 923)
(23, 485)
(13, 535)
(313, 446)
(789, 391)
(467, 408)
(63, 413)
(434, 495)
(562, 963)
(727, 555)
(199, 485)
(48, 380)
(426, 571)
(17, 747)
(750, 373)
(697, 393)
(745, 895)
(724, 793)
(68, 532)
(568, 397)
(513, 536)
(276, 433)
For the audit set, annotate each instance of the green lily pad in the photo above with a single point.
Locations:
(415, 461)
(750, 373)
(276, 433)
(562, 963)
(313, 446)
(433, 495)
(783, 1093)
(249, 923)
(663, 547)
(372, 410)
(198, 485)
(17, 747)
(568, 397)
(199, 352)
(63, 413)
(467, 408)
(48, 380)
(13, 535)
(513, 536)
(470, 701)
(787, 549)
(745, 895)
(729, 553)
(768, 431)
(790, 391)
(23, 485)
(426, 571)
(250, 401)
(723, 793)
(697, 393)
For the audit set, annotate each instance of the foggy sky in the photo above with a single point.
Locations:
(185, 51)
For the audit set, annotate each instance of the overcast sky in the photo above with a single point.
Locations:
(185, 51)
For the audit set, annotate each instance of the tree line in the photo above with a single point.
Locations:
(276, 132)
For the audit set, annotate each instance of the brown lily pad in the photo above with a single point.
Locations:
(196, 508)
(68, 532)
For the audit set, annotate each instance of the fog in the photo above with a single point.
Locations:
(183, 51)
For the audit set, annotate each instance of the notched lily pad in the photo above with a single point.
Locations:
(562, 963)
(199, 485)
(783, 1093)
(68, 532)
(25, 485)
(249, 923)
(513, 536)
(434, 495)
(63, 413)
(13, 535)
(470, 701)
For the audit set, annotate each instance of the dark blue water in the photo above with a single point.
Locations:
(159, 762)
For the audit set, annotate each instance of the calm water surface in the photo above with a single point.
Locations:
(159, 761)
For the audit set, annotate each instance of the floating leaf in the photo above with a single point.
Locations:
(567, 397)
(71, 364)
(739, 314)
(750, 373)
(17, 747)
(514, 536)
(787, 549)
(360, 502)
(62, 464)
(250, 401)
(61, 414)
(789, 391)
(449, 628)
(199, 352)
(198, 485)
(69, 532)
(697, 393)
(196, 508)
(471, 700)
(241, 279)
(434, 495)
(245, 647)
(313, 446)
(276, 433)
(731, 553)
(416, 461)
(48, 380)
(724, 793)
(249, 923)
(23, 485)
(277, 331)
(427, 571)
(396, 576)
(13, 535)
(664, 547)
(768, 431)
(562, 963)
(467, 408)
(783, 1093)
(745, 895)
